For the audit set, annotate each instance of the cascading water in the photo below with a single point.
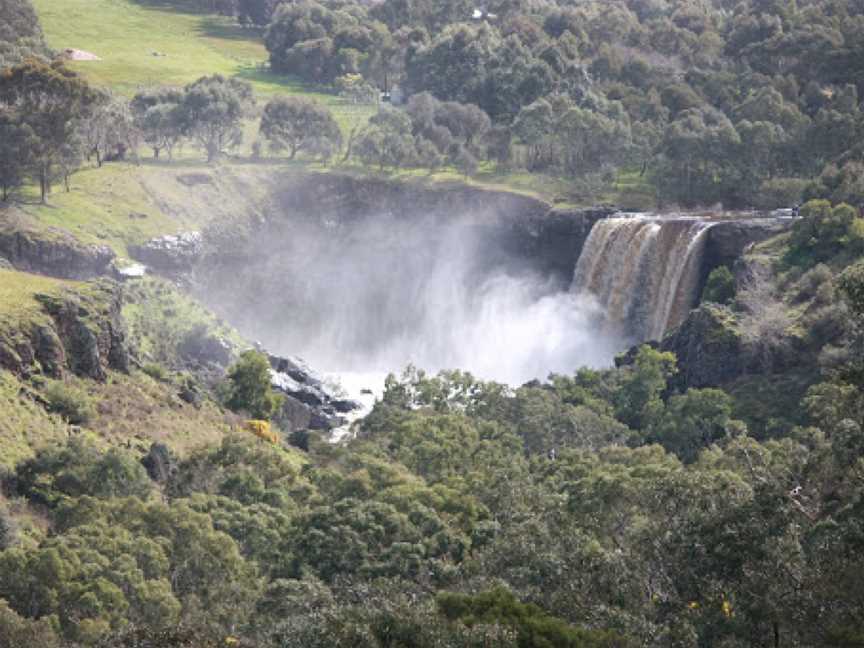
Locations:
(644, 271)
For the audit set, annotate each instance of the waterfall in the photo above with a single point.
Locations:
(644, 271)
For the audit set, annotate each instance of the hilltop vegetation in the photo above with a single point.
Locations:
(748, 105)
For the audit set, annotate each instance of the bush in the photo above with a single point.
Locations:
(73, 404)
(8, 530)
(534, 628)
(824, 231)
(851, 286)
(155, 371)
(81, 468)
(720, 287)
(812, 280)
(249, 387)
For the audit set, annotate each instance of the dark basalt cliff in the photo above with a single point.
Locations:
(53, 253)
(78, 331)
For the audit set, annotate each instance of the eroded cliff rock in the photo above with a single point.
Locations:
(78, 331)
(709, 347)
(52, 252)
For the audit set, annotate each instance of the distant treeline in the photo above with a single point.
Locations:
(738, 102)
(756, 103)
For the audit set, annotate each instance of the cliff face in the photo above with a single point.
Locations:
(78, 331)
(728, 240)
(53, 253)
(514, 228)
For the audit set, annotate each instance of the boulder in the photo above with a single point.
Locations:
(159, 463)
(204, 348)
(728, 239)
(171, 254)
(309, 403)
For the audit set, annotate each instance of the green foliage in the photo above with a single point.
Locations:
(693, 421)
(638, 400)
(298, 124)
(824, 231)
(319, 43)
(719, 287)
(79, 468)
(249, 387)
(8, 530)
(47, 104)
(70, 402)
(212, 110)
(20, 33)
(16, 630)
(159, 116)
(851, 285)
(534, 628)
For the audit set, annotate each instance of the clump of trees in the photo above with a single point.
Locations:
(51, 120)
(733, 105)
(429, 134)
(295, 124)
(465, 513)
(43, 109)
(712, 105)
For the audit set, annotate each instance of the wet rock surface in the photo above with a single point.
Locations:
(171, 254)
(728, 240)
(309, 402)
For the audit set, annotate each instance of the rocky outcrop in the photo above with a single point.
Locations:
(172, 254)
(709, 347)
(310, 404)
(159, 463)
(201, 348)
(81, 332)
(551, 244)
(727, 240)
(53, 252)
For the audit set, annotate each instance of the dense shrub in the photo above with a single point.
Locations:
(720, 286)
(20, 34)
(534, 628)
(823, 231)
(249, 386)
(72, 403)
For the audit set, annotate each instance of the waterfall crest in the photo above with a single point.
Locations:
(643, 271)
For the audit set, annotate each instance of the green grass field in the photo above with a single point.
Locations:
(142, 45)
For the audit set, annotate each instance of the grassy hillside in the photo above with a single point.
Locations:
(124, 203)
(17, 290)
(135, 409)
